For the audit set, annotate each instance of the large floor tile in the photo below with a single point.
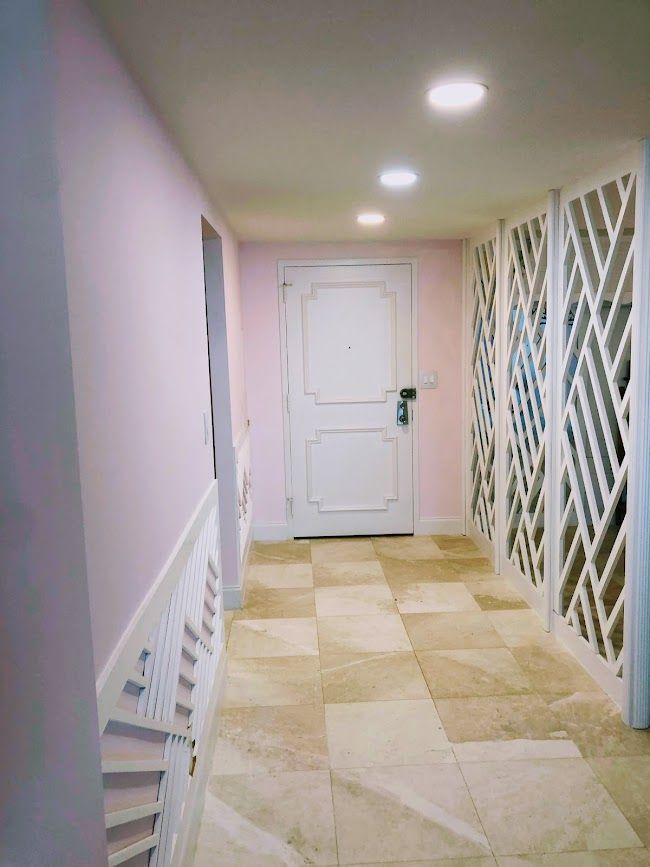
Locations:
(270, 820)
(519, 628)
(594, 722)
(407, 547)
(495, 595)
(275, 681)
(227, 624)
(457, 546)
(403, 813)
(546, 805)
(420, 598)
(363, 734)
(293, 636)
(503, 727)
(350, 677)
(444, 862)
(377, 633)
(354, 599)
(468, 673)
(280, 552)
(611, 858)
(254, 740)
(281, 576)
(360, 572)
(262, 602)
(451, 631)
(342, 550)
(627, 779)
(553, 670)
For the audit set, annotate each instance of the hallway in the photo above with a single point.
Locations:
(391, 700)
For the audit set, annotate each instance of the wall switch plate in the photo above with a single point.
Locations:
(428, 379)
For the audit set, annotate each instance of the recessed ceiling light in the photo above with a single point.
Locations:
(370, 219)
(398, 178)
(459, 94)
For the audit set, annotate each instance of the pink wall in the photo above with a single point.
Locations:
(132, 234)
(440, 315)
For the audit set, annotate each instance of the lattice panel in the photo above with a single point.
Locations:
(526, 398)
(597, 263)
(483, 390)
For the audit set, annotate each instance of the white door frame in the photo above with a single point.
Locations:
(286, 429)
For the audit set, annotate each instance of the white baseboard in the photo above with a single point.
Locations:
(232, 598)
(438, 527)
(271, 532)
(193, 808)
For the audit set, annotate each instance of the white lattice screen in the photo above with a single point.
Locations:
(597, 229)
(526, 300)
(483, 323)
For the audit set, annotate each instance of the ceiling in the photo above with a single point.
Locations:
(288, 109)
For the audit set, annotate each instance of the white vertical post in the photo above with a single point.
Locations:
(465, 385)
(552, 402)
(500, 403)
(636, 691)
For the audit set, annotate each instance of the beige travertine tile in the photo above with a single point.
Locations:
(445, 862)
(552, 670)
(354, 599)
(281, 576)
(378, 633)
(594, 722)
(627, 779)
(451, 631)
(342, 550)
(280, 552)
(545, 805)
(351, 677)
(405, 813)
(336, 574)
(268, 820)
(227, 623)
(420, 598)
(468, 673)
(611, 858)
(495, 595)
(363, 734)
(404, 571)
(262, 603)
(504, 726)
(274, 681)
(520, 628)
(406, 547)
(457, 546)
(292, 636)
(255, 740)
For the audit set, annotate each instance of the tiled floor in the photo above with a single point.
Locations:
(391, 701)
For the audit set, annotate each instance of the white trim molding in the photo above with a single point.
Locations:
(273, 532)
(453, 526)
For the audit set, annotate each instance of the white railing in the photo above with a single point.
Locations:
(156, 698)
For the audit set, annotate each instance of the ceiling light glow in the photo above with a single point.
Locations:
(459, 94)
(370, 219)
(398, 178)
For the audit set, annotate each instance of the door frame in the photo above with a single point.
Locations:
(284, 356)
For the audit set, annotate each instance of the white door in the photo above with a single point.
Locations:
(348, 356)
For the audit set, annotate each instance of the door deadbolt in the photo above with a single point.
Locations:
(408, 393)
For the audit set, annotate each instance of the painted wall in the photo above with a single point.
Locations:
(439, 348)
(51, 810)
(133, 251)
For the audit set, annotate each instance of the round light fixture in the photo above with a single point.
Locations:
(459, 94)
(370, 219)
(398, 178)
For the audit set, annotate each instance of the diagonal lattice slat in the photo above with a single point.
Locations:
(596, 288)
(483, 387)
(526, 346)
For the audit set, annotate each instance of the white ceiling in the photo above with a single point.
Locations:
(288, 109)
